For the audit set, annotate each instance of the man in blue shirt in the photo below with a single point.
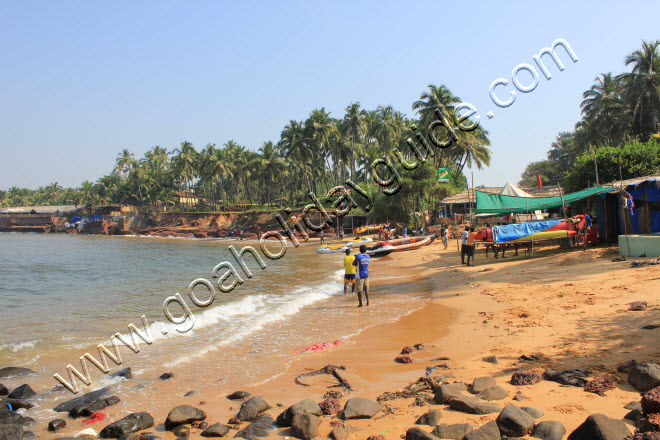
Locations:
(362, 263)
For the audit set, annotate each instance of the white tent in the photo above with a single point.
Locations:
(512, 190)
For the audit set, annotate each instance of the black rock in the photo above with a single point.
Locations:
(261, 427)
(3, 390)
(445, 392)
(536, 413)
(17, 404)
(575, 376)
(455, 432)
(131, 423)
(86, 409)
(166, 376)
(11, 432)
(112, 400)
(215, 430)
(8, 417)
(181, 432)
(56, 425)
(493, 393)
(481, 383)
(14, 371)
(600, 427)
(651, 327)
(514, 422)
(489, 431)
(29, 435)
(473, 405)
(124, 372)
(635, 416)
(89, 397)
(189, 393)
(491, 360)
(305, 426)
(251, 409)
(307, 406)
(416, 433)
(360, 408)
(519, 397)
(182, 415)
(644, 376)
(202, 425)
(24, 391)
(431, 418)
(548, 430)
(636, 404)
(238, 395)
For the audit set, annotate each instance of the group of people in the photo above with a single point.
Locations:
(356, 273)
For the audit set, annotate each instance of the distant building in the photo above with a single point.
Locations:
(188, 198)
(115, 210)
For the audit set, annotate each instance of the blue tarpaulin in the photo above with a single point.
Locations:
(520, 230)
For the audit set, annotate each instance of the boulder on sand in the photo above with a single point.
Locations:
(431, 418)
(359, 408)
(489, 431)
(182, 415)
(307, 406)
(549, 430)
(445, 392)
(11, 432)
(455, 432)
(644, 376)
(3, 390)
(600, 427)
(305, 426)
(651, 402)
(481, 383)
(89, 397)
(261, 427)
(493, 393)
(251, 409)
(473, 405)
(215, 430)
(514, 422)
(416, 433)
(56, 425)
(238, 395)
(575, 376)
(131, 423)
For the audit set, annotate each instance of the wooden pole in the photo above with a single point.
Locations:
(475, 200)
(596, 165)
(625, 219)
(563, 206)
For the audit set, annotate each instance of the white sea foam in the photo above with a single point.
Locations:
(18, 346)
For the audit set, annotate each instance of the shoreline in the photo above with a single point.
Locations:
(553, 307)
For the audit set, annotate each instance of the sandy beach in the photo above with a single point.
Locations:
(557, 310)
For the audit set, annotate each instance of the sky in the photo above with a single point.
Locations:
(83, 80)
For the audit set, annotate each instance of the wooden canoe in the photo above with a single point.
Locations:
(410, 243)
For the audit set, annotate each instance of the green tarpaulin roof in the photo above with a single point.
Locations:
(498, 204)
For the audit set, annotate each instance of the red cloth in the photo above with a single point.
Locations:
(538, 180)
(96, 417)
(320, 346)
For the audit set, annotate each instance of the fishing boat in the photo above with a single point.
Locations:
(381, 249)
(341, 247)
(370, 229)
(410, 243)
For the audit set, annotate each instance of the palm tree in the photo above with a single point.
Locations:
(437, 97)
(271, 166)
(297, 151)
(125, 160)
(319, 128)
(355, 125)
(185, 165)
(604, 111)
(643, 89)
(388, 128)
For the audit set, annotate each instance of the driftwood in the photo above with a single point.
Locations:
(328, 369)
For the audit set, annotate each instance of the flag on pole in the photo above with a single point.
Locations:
(538, 180)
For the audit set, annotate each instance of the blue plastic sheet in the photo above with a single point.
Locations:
(520, 230)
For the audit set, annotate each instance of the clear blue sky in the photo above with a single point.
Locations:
(82, 80)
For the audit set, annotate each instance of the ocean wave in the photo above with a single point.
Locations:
(18, 346)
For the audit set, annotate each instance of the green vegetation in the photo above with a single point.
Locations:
(312, 155)
(618, 112)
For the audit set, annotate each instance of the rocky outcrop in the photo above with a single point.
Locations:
(131, 423)
(359, 408)
(525, 378)
(644, 376)
(651, 402)
(600, 427)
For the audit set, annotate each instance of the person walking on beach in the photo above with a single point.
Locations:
(362, 263)
(464, 243)
(349, 271)
(322, 240)
(445, 236)
(470, 246)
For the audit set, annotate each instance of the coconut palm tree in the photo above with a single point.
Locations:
(604, 111)
(437, 97)
(271, 167)
(184, 163)
(124, 162)
(355, 126)
(642, 89)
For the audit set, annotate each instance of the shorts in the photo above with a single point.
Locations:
(464, 249)
(360, 283)
(349, 278)
(469, 250)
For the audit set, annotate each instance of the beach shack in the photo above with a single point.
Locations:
(630, 214)
(188, 198)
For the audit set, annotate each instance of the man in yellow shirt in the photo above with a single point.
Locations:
(349, 271)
